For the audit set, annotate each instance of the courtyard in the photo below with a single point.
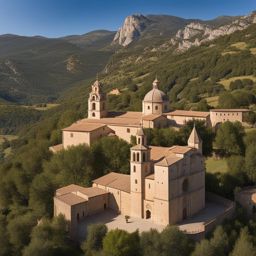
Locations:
(113, 220)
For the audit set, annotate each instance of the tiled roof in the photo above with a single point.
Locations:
(180, 149)
(79, 190)
(169, 160)
(151, 176)
(71, 199)
(115, 180)
(188, 113)
(151, 117)
(229, 110)
(82, 126)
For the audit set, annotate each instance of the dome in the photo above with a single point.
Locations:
(155, 95)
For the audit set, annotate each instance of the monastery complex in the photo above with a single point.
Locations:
(166, 185)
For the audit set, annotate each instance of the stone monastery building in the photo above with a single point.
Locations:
(166, 184)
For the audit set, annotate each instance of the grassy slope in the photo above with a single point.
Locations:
(214, 165)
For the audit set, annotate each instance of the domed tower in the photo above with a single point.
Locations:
(97, 102)
(155, 101)
(140, 168)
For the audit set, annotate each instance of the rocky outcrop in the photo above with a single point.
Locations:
(131, 29)
(73, 64)
(196, 33)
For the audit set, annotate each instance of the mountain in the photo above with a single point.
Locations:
(37, 69)
(158, 27)
(95, 39)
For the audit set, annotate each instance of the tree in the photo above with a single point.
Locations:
(219, 242)
(175, 242)
(204, 248)
(244, 245)
(151, 243)
(227, 100)
(250, 162)
(94, 239)
(48, 238)
(236, 167)
(229, 138)
(121, 243)
(4, 238)
(217, 245)
(19, 228)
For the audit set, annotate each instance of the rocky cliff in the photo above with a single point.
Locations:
(196, 33)
(131, 29)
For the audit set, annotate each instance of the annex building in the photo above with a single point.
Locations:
(166, 185)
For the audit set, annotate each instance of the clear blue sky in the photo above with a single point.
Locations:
(55, 18)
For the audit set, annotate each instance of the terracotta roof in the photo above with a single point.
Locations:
(79, 190)
(158, 153)
(151, 176)
(115, 180)
(71, 199)
(56, 148)
(151, 117)
(139, 147)
(188, 113)
(229, 110)
(82, 126)
(169, 160)
(180, 149)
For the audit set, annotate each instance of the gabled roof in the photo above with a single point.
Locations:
(75, 194)
(152, 117)
(169, 160)
(71, 199)
(158, 153)
(189, 113)
(115, 180)
(81, 126)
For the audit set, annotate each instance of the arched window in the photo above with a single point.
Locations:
(136, 182)
(93, 114)
(138, 140)
(93, 106)
(93, 98)
(134, 168)
(148, 107)
(156, 107)
(133, 157)
(138, 157)
(185, 185)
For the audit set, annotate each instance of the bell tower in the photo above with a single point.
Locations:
(97, 102)
(194, 141)
(140, 167)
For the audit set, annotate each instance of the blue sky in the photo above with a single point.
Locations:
(54, 18)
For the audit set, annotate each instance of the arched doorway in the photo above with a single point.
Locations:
(148, 214)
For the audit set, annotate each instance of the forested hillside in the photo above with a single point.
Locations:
(221, 72)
